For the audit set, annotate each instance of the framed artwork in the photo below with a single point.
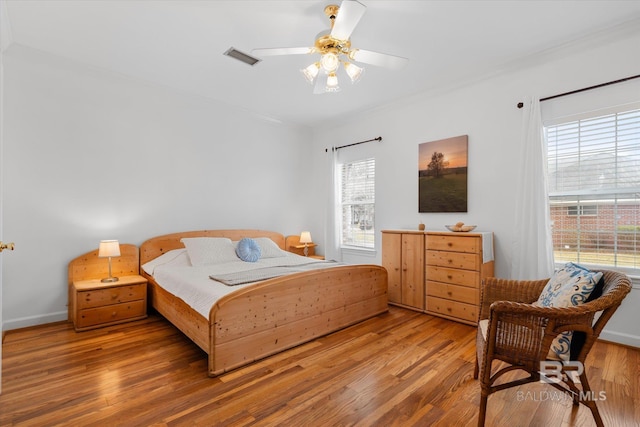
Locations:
(442, 175)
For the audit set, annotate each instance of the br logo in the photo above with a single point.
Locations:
(551, 371)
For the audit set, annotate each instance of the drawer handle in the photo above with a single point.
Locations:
(114, 314)
(449, 244)
(114, 296)
(449, 276)
(449, 309)
(450, 293)
(450, 261)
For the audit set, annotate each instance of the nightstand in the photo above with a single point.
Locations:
(95, 304)
(293, 245)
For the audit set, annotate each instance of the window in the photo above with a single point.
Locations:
(594, 189)
(582, 210)
(357, 202)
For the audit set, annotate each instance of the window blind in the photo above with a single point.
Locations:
(594, 188)
(357, 196)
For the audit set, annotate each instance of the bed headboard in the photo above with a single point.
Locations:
(156, 246)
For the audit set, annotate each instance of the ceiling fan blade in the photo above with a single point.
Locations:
(321, 83)
(378, 59)
(282, 51)
(348, 17)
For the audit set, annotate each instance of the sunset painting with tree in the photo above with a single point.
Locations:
(442, 175)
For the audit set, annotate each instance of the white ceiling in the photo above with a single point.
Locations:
(180, 44)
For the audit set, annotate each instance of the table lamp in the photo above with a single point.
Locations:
(108, 249)
(305, 237)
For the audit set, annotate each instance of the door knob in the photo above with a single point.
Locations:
(10, 246)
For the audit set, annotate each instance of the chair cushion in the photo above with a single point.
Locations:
(484, 328)
(570, 286)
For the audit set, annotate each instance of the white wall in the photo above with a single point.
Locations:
(486, 111)
(90, 155)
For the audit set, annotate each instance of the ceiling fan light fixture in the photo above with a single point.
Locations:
(330, 62)
(353, 71)
(311, 72)
(335, 50)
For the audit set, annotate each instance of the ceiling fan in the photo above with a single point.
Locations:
(335, 50)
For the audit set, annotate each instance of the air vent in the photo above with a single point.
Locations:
(240, 56)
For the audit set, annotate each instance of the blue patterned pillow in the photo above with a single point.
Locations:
(569, 286)
(248, 250)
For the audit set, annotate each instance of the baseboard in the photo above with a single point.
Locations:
(620, 338)
(24, 322)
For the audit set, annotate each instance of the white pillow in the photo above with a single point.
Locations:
(209, 250)
(269, 248)
(175, 257)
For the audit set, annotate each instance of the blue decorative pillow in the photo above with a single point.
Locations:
(570, 286)
(248, 250)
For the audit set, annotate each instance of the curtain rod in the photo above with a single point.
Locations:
(520, 104)
(355, 143)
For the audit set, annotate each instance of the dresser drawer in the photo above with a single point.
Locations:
(112, 295)
(453, 292)
(466, 261)
(453, 276)
(466, 312)
(453, 243)
(111, 313)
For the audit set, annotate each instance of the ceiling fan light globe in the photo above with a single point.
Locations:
(330, 62)
(353, 71)
(311, 72)
(332, 83)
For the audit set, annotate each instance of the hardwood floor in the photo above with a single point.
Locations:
(398, 369)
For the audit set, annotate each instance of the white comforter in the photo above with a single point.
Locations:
(193, 285)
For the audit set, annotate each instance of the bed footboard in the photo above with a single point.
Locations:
(280, 313)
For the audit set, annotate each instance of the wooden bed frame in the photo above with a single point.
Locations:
(273, 315)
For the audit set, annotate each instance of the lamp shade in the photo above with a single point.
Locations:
(311, 72)
(332, 83)
(353, 71)
(305, 237)
(108, 248)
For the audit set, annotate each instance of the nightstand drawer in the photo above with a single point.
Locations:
(453, 292)
(112, 295)
(453, 243)
(453, 259)
(454, 276)
(111, 313)
(458, 310)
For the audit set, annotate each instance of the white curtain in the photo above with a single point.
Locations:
(532, 249)
(332, 219)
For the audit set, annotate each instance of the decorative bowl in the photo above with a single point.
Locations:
(462, 228)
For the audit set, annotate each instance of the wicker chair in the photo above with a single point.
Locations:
(520, 334)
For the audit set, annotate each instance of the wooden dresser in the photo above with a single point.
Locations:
(454, 269)
(450, 267)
